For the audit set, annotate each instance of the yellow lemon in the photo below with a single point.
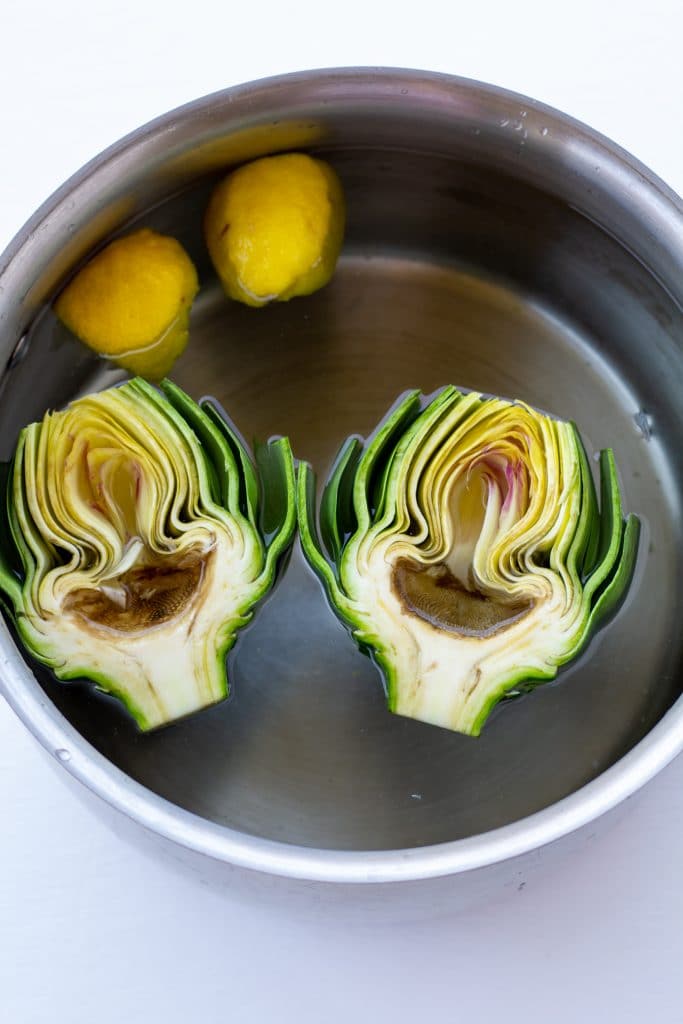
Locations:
(274, 228)
(131, 302)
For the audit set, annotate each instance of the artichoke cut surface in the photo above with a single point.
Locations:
(136, 536)
(464, 547)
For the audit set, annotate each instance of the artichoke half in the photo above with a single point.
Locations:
(464, 547)
(137, 539)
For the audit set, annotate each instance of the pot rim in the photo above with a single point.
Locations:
(218, 842)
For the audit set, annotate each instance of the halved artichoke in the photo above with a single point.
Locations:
(138, 539)
(463, 546)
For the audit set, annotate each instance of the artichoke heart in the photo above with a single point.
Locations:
(138, 537)
(464, 547)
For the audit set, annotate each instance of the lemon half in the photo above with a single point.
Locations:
(131, 302)
(274, 228)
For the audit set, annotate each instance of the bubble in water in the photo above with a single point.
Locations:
(504, 122)
(416, 796)
(643, 422)
(543, 131)
(63, 755)
(524, 113)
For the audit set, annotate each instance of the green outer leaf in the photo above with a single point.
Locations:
(585, 546)
(613, 591)
(20, 525)
(310, 541)
(10, 585)
(337, 515)
(278, 512)
(249, 486)
(611, 524)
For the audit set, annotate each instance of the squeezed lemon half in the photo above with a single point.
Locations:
(274, 228)
(131, 302)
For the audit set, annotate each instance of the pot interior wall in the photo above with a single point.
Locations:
(455, 270)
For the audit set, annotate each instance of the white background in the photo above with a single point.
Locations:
(92, 930)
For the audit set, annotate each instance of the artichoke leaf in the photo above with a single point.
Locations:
(249, 484)
(337, 515)
(278, 511)
(479, 561)
(312, 546)
(9, 580)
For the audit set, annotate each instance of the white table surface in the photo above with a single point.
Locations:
(91, 929)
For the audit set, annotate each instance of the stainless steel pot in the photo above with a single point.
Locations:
(493, 243)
